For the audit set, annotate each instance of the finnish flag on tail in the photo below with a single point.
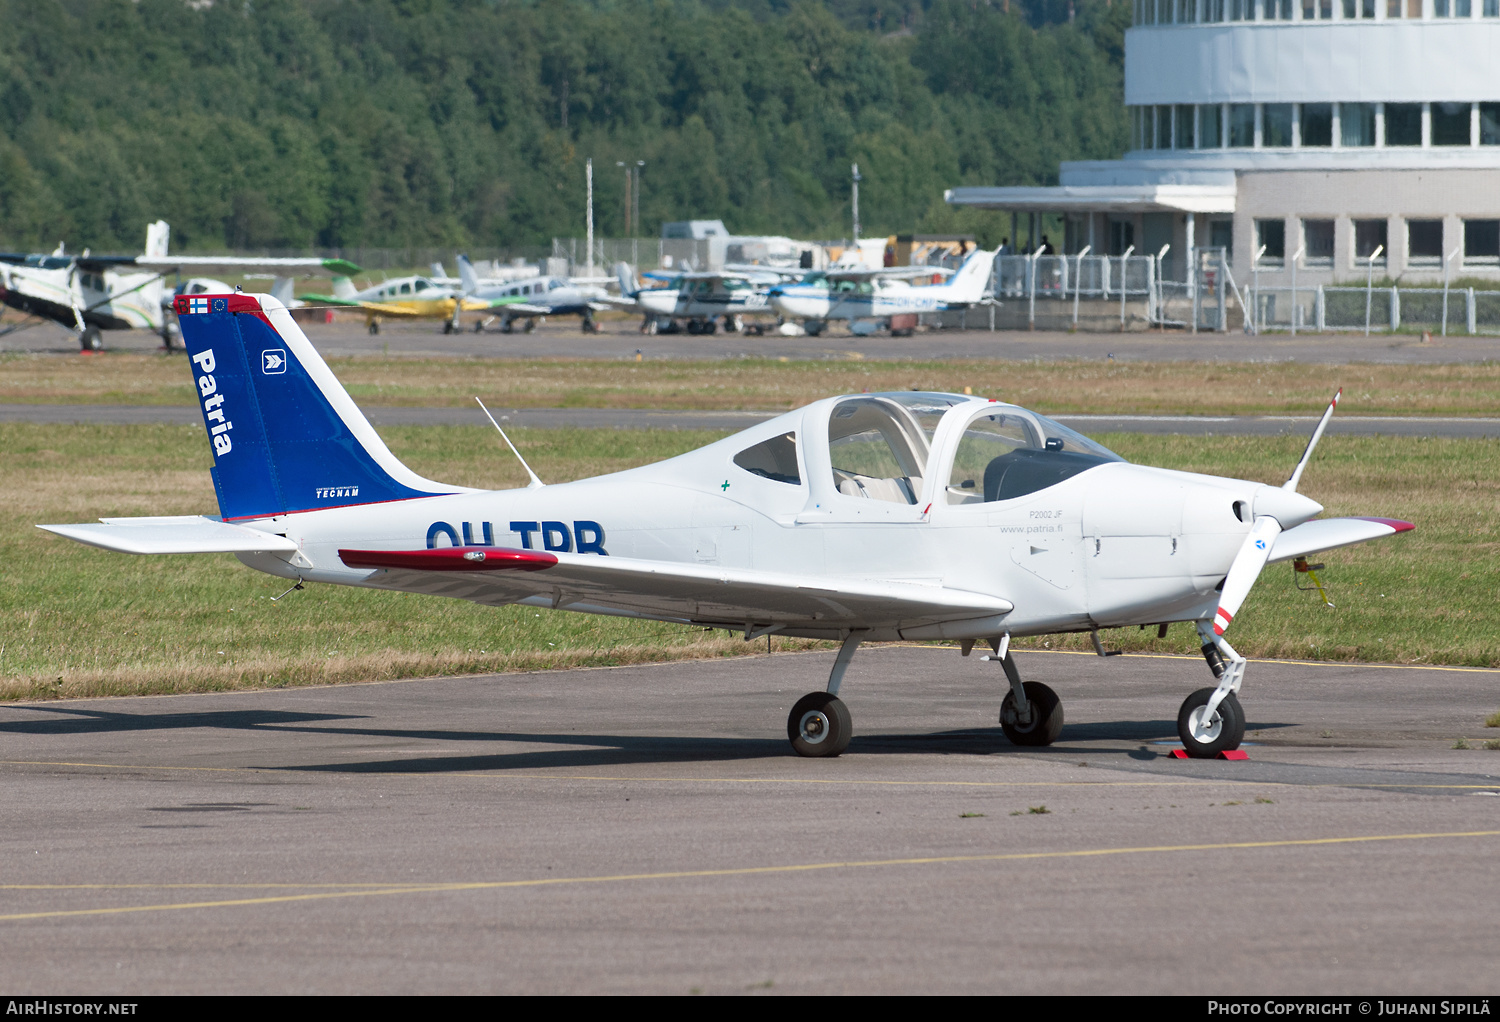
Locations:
(286, 436)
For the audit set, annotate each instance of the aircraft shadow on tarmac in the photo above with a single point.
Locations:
(592, 750)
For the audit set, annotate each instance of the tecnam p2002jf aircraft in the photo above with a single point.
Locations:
(863, 517)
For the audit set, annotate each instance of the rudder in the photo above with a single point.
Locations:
(285, 435)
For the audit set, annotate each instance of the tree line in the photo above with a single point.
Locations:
(273, 124)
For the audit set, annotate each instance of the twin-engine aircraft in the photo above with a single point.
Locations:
(859, 518)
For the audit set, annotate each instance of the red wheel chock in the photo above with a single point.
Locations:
(1228, 754)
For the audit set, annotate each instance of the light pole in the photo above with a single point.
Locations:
(1446, 261)
(854, 170)
(1298, 255)
(1369, 283)
(589, 177)
(621, 163)
(1255, 290)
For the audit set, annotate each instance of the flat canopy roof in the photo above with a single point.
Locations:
(1099, 198)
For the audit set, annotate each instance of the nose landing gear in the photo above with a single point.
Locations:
(1211, 720)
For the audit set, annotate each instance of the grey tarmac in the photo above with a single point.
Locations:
(647, 830)
(658, 418)
(620, 339)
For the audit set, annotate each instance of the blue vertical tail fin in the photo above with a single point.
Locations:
(285, 435)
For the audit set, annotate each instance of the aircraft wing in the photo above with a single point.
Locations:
(669, 590)
(1330, 533)
(176, 534)
(892, 272)
(528, 309)
(166, 264)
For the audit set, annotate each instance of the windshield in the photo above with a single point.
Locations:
(1006, 452)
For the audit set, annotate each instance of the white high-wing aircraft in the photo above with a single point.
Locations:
(703, 300)
(858, 518)
(881, 294)
(89, 293)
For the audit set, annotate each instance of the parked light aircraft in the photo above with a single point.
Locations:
(857, 518)
(703, 300)
(414, 297)
(881, 294)
(536, 298)
(90, 294)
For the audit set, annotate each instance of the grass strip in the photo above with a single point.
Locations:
(76, 621)
(1102, 387)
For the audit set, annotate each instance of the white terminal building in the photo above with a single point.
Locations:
(1337, 128)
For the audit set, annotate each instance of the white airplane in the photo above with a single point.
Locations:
(880, 294)
(865, 517)
(535, 298)
(90, 294)
(703, 300)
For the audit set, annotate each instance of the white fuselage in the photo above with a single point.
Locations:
(690, 301)
(1115, 544)
(67, 294)
(878, 299)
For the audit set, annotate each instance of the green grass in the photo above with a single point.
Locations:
(80, 621)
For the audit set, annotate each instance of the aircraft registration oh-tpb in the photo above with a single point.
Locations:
(858, 518)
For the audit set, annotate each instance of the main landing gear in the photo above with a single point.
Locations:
(1211, 720)
(819, 724)
(1030, 714)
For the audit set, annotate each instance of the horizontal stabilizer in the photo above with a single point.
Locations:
(670, 590)
(179, 534)
(1329, 533)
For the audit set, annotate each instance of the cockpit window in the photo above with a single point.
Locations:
(877, 449)
(774, 459)
(1006, 454)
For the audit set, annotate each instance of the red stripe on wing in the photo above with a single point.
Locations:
(451, 558)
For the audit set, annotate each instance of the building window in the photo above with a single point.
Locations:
(1489, 122)
(1452, 8)
(1359, 9)
(1221, 235)
(1163, 127)
(1450, 123)
(1403, 124)
(1319, 9)
(1276, 125)
(1369, 235)
(1241, 10)
(1213, 10)
(1492, 8)
(1210, 128)
(1317, 123)
(1317, 240)
(1184, 116)
(1271, 236)
(1424, 242)
(1241, 125)
(1121, 236)
(1357, 124)
(1482, 242)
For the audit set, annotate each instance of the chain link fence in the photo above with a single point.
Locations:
(1375, 309)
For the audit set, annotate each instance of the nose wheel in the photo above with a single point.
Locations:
(819, 725)
(1220, 732)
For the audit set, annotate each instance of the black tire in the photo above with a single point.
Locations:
(813, 327)
(1226, 731)
(1046, 716)
(374, 327)
(447, 326)
(819, 725)
(91, 339)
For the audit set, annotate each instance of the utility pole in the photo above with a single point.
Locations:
(637, 194)
(621, 163)
(854, 168)
(589, 177)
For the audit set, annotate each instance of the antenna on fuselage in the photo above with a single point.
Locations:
(535, 482)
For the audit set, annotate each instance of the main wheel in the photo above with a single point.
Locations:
(374, 327)
(91, 339)
(1225, 730)
(447, 326)
(819, 725)
(1046, 716)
